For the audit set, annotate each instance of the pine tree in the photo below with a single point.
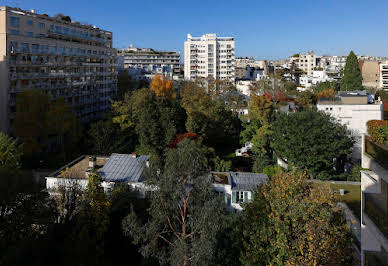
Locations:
(352, 79)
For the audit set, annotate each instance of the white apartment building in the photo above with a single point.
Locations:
(318, 76)
(384, 76)
(209, 56)
(58, 56)
(374, 203)
(150, 61)
(306, 62)
(354, 111)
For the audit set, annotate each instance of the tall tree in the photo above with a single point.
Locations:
(312, 140)
(10, 152)
(163, 87)
(352, 79)
(185, 214)
(293, 222)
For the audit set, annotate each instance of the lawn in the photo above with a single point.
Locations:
(352, 196)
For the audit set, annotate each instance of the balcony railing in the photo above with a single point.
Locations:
(379, 217)
(378, 151)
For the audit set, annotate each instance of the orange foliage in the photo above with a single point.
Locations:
(162, 87)
(328, 94)
(181, 137)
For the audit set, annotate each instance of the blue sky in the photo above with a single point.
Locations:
(263, 29)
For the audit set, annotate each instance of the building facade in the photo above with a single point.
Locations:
(384, 76)
(150, 61)
(317, 77)
(306, 62)
(209, 56)
(374, 203)
(57, 56)
(370, 71)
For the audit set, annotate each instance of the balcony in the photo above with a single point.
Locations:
(379, 217)
(378, 151)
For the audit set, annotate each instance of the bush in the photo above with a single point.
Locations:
(378, 130)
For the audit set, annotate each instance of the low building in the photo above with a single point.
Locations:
(117, 168)
(237, 187)
(353, 110)
(306, 62)
(374, 203)
(317, 77)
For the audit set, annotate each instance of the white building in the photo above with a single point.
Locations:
(384, 76)
(209, 56)
(374, 203)
(318, 76)
(354, 111)
(237, 187)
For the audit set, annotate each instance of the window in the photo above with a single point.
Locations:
(42, 25)
(29, 22)
(15, 21)
(65, 30)
(51, 27)
(58, 29)
(35, 48)
(53, 49)
(61, 50)
(30, 34)
(15, 32)
(44, 48)
(25, 47)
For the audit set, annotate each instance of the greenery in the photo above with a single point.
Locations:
(313, 141)
(291, 222)
(352, 79)
(185, 214)
(10, 152)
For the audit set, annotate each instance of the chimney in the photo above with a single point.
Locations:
(92, 162)
(134, 155)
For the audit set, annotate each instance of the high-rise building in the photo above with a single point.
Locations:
(150, 61)
(58, 56)
(209, 56)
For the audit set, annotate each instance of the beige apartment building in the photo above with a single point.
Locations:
(58, 56)
(370, 71)
(306, 62)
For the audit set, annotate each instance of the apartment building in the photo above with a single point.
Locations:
(58, 56)
(150, 61)
(209, 56)
(370, 71)
(374, 203)
(384, 76)
(306, 62)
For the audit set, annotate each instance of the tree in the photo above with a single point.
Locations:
(185, 214)
(106, 137)
(312, 140)
(293, 222)
(162, 87)
(210, 117)
(10, 152)
(42, 122)
(155, 120)
(352, 79)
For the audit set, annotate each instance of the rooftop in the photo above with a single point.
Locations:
(239, 180)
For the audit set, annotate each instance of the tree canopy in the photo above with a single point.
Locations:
(185, 214)
(312, 140)
(10, 152)
(293, 222)
(352, 79)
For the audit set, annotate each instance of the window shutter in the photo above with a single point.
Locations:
(234, 197)
(245, 196)
(226, 198)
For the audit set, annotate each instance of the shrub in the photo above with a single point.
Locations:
(378, 130)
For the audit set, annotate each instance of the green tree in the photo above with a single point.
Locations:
(10, 152)
(209, 116)
(312, 140)
(156, 120)
(106, 137)
(352, 79)
(185, 214)
(293, 222)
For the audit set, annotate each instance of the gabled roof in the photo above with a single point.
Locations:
(247, 181)
(124, 168)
